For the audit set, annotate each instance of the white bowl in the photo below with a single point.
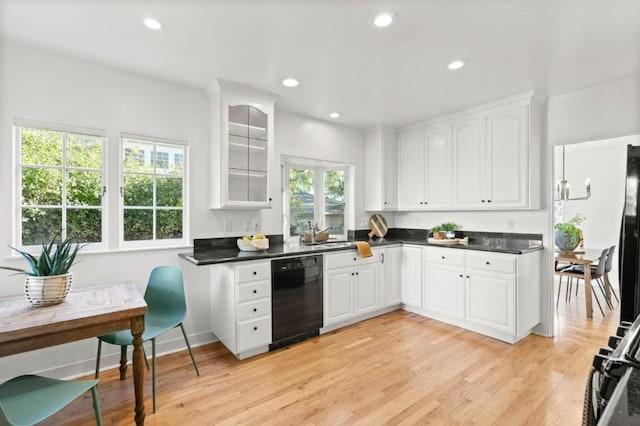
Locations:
(262, 244)
(246, 245)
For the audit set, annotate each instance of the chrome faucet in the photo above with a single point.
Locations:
(313, 232)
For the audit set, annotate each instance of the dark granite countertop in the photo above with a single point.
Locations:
(213, 251)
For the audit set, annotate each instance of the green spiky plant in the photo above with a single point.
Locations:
(50, 262)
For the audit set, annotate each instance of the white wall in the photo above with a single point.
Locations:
(44, 85)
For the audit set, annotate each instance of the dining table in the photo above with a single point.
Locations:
(86, 312)
(586, 258)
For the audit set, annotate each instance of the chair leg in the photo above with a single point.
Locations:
(607, 282)
(144, 354)
(193, 360)
(604, 294)
(597, 300)
(567, 296)
(98, 358)
(559, 288)
(153, 372)
(96, 405)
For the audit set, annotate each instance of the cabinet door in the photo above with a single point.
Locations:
(468, 170)
(490, 300)
(444, 290)
(439, 168)
(507, 158)
(411, 172)
(389, 171)
(338, 296)
(391, 262)
(366, 288)
(412, 276)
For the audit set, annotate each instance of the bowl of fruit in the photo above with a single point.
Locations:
(253, 243)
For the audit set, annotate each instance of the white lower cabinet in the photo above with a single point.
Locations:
(357, 288)
(241, 306)
(495, 294)
(412, 276)
(444, 290)
(391, 276)
(490, 300)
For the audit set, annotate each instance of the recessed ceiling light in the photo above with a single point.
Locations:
(456, 64)
(384, 19)
(290, 82)
(153, 24)
(334, 115)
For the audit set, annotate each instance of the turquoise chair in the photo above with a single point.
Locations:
(166, 309)
(27, 400)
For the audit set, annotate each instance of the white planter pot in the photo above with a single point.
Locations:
(51, 290)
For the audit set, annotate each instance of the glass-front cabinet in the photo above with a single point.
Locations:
(242, 140)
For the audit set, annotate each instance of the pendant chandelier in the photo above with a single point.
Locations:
(562, 187)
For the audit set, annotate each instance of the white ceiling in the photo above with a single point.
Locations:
(392, 76)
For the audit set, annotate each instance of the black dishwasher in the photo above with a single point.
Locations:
(296, 299)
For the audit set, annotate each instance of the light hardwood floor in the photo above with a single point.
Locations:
(399, 368)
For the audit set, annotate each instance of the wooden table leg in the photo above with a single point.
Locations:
(137, 328)
(587, 289)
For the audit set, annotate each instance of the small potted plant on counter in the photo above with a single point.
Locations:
(438, 233)
(450, 229)
(49, 280)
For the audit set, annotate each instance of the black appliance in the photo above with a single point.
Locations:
(296, 299)
(628, 255)
(613, 390)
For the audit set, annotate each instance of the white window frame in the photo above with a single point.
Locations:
(18, 124)
(154, 243)
(318, 189)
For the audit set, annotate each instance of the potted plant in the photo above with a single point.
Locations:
(568, 235)
(438, 233)
(449, 228)
(48, 278)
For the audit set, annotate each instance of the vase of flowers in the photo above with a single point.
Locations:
(567, 234)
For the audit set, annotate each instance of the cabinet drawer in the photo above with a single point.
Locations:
(253, 309)
(253, 291)
(491, 262)
(348, 259)
(445, 256)
(253, 272)
(254, 333)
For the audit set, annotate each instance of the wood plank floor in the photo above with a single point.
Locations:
(399, 368)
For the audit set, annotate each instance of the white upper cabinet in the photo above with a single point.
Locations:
(380, 169)
(484, 158)
(469, 152)
(242, 146)
(425, 177)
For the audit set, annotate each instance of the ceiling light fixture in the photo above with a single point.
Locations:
(152, 24)
(562, 187)
(334, 115)
(456, 64)
(290, 82)
(384, 19)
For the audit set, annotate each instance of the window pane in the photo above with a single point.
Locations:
(84, 188)
(138, 225)
(169, 192)
(42, 147)
(84, 225)
(40, 225)
(138, 190)
(41, 186)
(170, 159)
(138, 156)
(169, 224)
(334, 201)
(301, 201)
(84, 151)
